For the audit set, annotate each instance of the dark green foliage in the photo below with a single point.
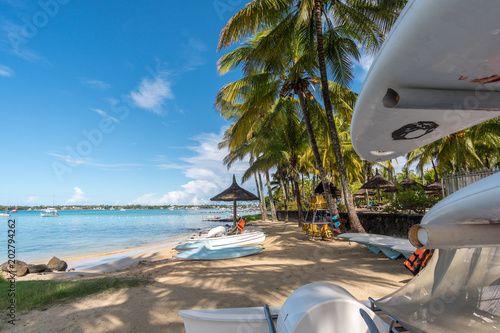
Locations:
(414, 199)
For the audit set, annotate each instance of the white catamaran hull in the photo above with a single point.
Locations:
(316, 307)
(248, 238)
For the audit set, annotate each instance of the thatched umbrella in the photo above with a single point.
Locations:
(406, 184)
(434, 188)
(361, 193)
(333, 190)
(377, 182)
(234, 193)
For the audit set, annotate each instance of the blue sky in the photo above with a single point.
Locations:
(111, 102)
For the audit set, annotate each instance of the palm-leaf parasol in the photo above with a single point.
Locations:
(406, 184)
(436, 187)
(361, 193)
(333, 189)
(377, 182)
(234, 193)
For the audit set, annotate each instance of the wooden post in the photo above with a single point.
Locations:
(234, 213)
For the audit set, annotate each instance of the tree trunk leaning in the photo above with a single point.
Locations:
(264, 206)
(344, 181)
(274, 216)
(317, 157)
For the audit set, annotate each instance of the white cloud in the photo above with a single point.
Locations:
(96, 84)
(192, 53)
(166, 166)
(151, 94)
(77, 198)
(205, 169)
(105, 115)
(32, 198)
(73, 162)
(6, 71)
(365, 62)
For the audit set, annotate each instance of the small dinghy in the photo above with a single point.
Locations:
(247, 238)
(206, 252)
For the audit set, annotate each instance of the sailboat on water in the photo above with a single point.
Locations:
(14, 210)
(49, 211)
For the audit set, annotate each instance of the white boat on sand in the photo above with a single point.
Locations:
(206, 252)
(247, 238)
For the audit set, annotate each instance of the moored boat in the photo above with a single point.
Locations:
(49, 212)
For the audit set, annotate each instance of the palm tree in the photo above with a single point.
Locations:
(293, 67)
(365, 20)
(370, 30)
(282, 139)
(289, 71)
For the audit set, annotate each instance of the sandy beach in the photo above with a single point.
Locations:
(288, 261)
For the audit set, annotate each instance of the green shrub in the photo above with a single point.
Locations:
(414, 199)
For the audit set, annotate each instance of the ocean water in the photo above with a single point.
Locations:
(80, 233)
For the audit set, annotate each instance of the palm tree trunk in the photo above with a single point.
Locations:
(274, 216)
(317, 156)
(285, 196)
(296, 190)
(436, 178)
(262, 214)
(344, 181)
(365, 174)
(264, 206)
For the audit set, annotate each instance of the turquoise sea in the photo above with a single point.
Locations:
(80, 233)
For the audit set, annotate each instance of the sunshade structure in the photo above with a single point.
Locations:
(333, 190)
(377, 182)
(406, 184)
(361, 193)
(235, 193)
(434, 188)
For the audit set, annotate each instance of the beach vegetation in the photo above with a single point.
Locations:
(254, 217)
(286, 51)
(38, 295)
(471, 149)
(411, 200)
(285, 39)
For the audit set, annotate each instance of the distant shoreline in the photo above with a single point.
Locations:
(127, 207)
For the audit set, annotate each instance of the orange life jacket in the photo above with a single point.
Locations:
(418, 260)
(241, 225)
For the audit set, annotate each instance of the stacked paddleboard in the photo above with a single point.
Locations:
(392, 247)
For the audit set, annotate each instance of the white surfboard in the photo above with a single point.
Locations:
(437, 73)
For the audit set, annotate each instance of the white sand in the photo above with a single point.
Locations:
(288, 261)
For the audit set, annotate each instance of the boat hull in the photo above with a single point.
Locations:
(248, 238)
(206, 253)
(251, 320)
